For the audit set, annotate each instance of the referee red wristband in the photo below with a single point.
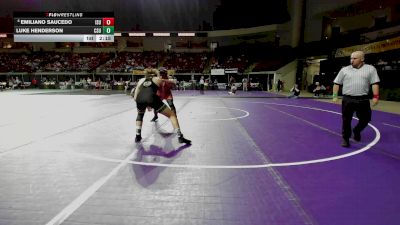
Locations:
(376, 96)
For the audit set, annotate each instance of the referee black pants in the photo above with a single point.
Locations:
(360, 105)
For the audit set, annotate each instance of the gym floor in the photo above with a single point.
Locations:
(256, 158)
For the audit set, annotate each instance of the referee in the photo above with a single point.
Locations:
(356, 80)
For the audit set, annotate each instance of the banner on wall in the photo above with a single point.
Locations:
(138, 72)
(171, 72)
(217, 72)
(141, 72)
(231, 70)
(375, 47)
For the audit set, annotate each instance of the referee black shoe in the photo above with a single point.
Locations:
(345, 143)
(357, 136)
(181, 139)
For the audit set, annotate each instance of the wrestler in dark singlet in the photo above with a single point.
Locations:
(146, 96)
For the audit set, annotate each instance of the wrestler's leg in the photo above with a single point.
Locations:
(139, 122)
(175, 123)
(155, 118)
(171, 105)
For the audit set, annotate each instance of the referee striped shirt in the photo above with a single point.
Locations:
(356, 82)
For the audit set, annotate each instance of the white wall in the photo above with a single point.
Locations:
(312, 69)
(287, 74)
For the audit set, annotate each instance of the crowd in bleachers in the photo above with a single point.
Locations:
(186, 62)
(102, 67)
(15, 63)
(51, 62)
(118, 62)
(241, 62)
(180, 62)
(128, 61)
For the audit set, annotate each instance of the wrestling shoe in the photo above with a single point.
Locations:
(138, 138)
(181, 139)
(345, 143)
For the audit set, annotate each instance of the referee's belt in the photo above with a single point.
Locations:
(360, 97)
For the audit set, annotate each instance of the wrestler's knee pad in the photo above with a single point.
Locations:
(140, 116)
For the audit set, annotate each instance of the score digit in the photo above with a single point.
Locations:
(108, 30)
(108, 21)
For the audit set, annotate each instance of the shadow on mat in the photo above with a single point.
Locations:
(147, 175)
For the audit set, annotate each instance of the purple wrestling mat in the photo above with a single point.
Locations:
(256, 158)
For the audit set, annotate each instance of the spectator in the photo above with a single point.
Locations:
(319, 89)
(294, 92)
(215, 84)
(244, 82)
(34, 82)
(233, 89)
(279, 85)
(201, 82)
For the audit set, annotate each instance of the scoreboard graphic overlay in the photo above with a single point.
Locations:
(63, 27)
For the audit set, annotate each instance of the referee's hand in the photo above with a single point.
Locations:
(375, 101)
(334, 96)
